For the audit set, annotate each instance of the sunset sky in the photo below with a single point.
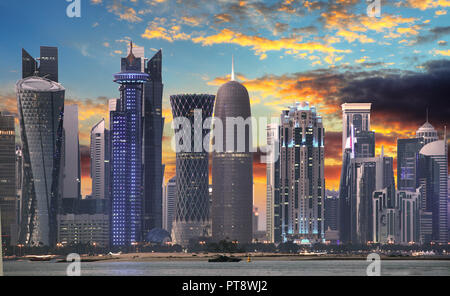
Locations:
(324, 52)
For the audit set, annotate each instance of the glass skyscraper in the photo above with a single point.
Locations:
(8, 200)
(41, 107)
(126, 154)
(192, 179)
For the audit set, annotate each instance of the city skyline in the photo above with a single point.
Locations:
(292, 77)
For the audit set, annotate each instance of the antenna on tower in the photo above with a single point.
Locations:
(427, 114)
(232, 68)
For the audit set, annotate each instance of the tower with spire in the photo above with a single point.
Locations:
(427, 132)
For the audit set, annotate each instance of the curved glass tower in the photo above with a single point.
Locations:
(232, 169)
(41, 107)
(192, 197)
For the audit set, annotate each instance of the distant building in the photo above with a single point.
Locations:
(273, 206)
(386, 219)
(434, 179)
(255, 220)
(8, 198)
(83, 221)
(99, 152)
(331, 213)
(409, 207)
(70, 157)
(169, 200)
(408, 163)
(302, 177)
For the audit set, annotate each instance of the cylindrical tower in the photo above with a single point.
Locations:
(41, 106)
(192, 198)
(232, 169)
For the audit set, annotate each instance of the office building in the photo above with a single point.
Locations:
(302, 183)
(70, 156)
(192, 176)
(386, 219)
(408, 163)
(273, 215)
(47, 66)
(169, 200)
(409, 207)
(41, 107)
(8, 198)
(126, 154)
(331, 209)
(232, 168)
(99, 152)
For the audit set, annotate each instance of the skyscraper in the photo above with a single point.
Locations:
(152, 125)
(232, 169)
(100, 160)
(169, 204)
(41, 107)
(8, 200)
(364, 177)
(408, 163)
(427, 132)
(70, 157)
(331, 210)
(192, 177)
(273, 206)
(355, 124)
(434, 178)
(302, 173)
(126, 154)
(47, 67)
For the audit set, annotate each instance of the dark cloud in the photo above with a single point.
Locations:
(433, 34)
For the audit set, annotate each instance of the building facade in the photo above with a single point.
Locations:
(273, 206)
(99, 152)
(8, 198)
(41, 107)
(126, 154)
(232, 168)
(302, 179)
(192, 176)
(70, 157)
(408, 163)
(169, 200)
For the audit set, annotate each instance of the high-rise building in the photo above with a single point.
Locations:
(356, 115)
(434, 179)
(331, 210)
(47, 67)
(232, 169)
(8, 199)
(153, 125)
(409, 207)
(355, 128)
(126, 154)
(273, 215)
(70, 156)
(169, 204)
(192, 177)
(302, 178)
(99, 152)
(408, 162)
(41, 107)
(363, 177)
(386, 219)
(427, 132)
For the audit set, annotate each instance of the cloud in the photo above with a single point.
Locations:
(426, 4)
(123, 12)
(433, 34)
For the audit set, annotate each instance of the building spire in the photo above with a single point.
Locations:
(427, 114)
(232, 68)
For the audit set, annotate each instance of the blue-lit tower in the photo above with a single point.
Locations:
(126, 154)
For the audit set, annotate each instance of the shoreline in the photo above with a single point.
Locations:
(154, 257)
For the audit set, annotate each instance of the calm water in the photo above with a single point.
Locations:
(256, 268)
